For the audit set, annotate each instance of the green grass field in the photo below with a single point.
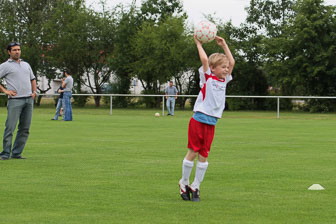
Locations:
(125, 168)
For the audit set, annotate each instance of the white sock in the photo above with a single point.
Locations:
(186, 171)
(199, 175)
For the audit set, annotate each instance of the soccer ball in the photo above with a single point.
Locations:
(157, 115)
(205, 31)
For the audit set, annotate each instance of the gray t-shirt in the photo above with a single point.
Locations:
(171, 90)
(18, 77)
(68, 84)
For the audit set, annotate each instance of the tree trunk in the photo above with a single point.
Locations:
(39, 98)
(97, 100)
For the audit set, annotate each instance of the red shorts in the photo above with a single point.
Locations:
(200, 137)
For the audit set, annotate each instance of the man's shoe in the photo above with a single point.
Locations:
(184, 191)
(195, 195)
(4, 158)
(19, 157)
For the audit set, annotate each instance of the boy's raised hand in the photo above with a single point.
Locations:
(197, 41)
(220, 41)
(202, 54)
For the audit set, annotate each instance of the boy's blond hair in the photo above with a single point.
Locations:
(216, 59)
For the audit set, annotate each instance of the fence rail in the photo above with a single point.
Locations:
(228, 96)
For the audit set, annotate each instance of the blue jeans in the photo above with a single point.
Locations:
(58, 108)
(17, 110)
(170, 105)
(67, 109)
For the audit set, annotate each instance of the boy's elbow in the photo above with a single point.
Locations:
(204, 61)
(232, 62)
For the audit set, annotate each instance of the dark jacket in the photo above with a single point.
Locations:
(61, 94)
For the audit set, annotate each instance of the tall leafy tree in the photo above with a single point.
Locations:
(248, 77)
(24, 21)
(310, 65)
(160, 53)
(67, 31)
(158, 37)
(270, 16)
(159, 10)
(128, 22)
(261, 39)
(99, 47)
(82, 41)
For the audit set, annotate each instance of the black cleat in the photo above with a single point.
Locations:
(18, 157)
(195, 195)
(185, 192)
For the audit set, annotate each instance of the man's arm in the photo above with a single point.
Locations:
(3, 72)
(34, 88)
(10, 93)
(63, 83)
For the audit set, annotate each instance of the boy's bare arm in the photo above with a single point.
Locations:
(222, 42)
(203, 56)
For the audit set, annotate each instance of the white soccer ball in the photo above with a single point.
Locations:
(157, 115)
(205, 31)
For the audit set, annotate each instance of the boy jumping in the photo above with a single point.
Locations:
(215, 73)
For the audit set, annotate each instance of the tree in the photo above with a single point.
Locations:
(67, 33)
(260, 41)
(128, 22)
(159, 10)
(249, 75)
(270, 16)
(137, 40)
(310, 66)
(299, 44)
(99, 46)
(161, 53)
(23, 21)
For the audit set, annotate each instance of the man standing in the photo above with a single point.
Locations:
(67, 85)
(21, 91)
(171, 95)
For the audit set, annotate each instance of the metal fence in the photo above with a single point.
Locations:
(189, 96)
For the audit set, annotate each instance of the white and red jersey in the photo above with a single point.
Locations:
(211, 99)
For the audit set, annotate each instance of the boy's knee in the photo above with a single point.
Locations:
(202, 158)
(191, 155)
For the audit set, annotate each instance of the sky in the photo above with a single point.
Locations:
(224, 9)
(227, 10)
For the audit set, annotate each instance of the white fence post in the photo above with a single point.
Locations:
(278, 107)
(163, 103)
(110, 104)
